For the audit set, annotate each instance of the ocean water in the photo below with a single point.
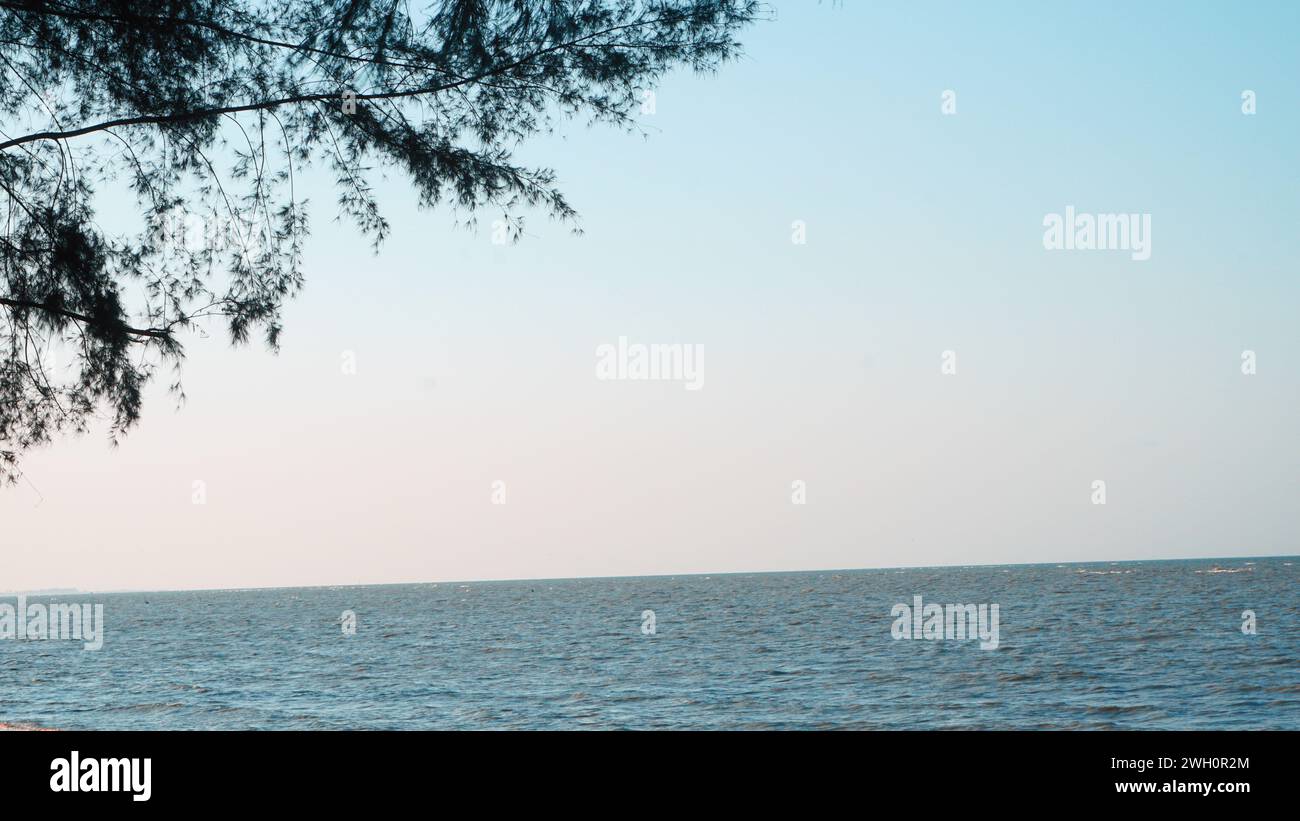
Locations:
(1142, 645)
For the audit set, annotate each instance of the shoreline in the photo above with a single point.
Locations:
(22, 728)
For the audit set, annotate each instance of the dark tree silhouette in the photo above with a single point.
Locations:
(207, 110)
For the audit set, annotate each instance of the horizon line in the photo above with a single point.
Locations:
(76, 591)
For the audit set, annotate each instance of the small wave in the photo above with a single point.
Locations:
(1119, 709)
(1065, 674)
(151, 707)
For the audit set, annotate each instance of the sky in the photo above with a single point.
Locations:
(474, 440)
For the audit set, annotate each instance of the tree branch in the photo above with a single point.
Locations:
(154, 333)
(182, 116)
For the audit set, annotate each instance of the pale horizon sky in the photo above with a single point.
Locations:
(475, 363)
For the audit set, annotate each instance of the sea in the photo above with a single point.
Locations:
(1204, 644)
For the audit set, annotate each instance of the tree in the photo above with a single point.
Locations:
(207, 111)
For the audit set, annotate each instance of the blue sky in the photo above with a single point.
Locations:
(475, 361)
